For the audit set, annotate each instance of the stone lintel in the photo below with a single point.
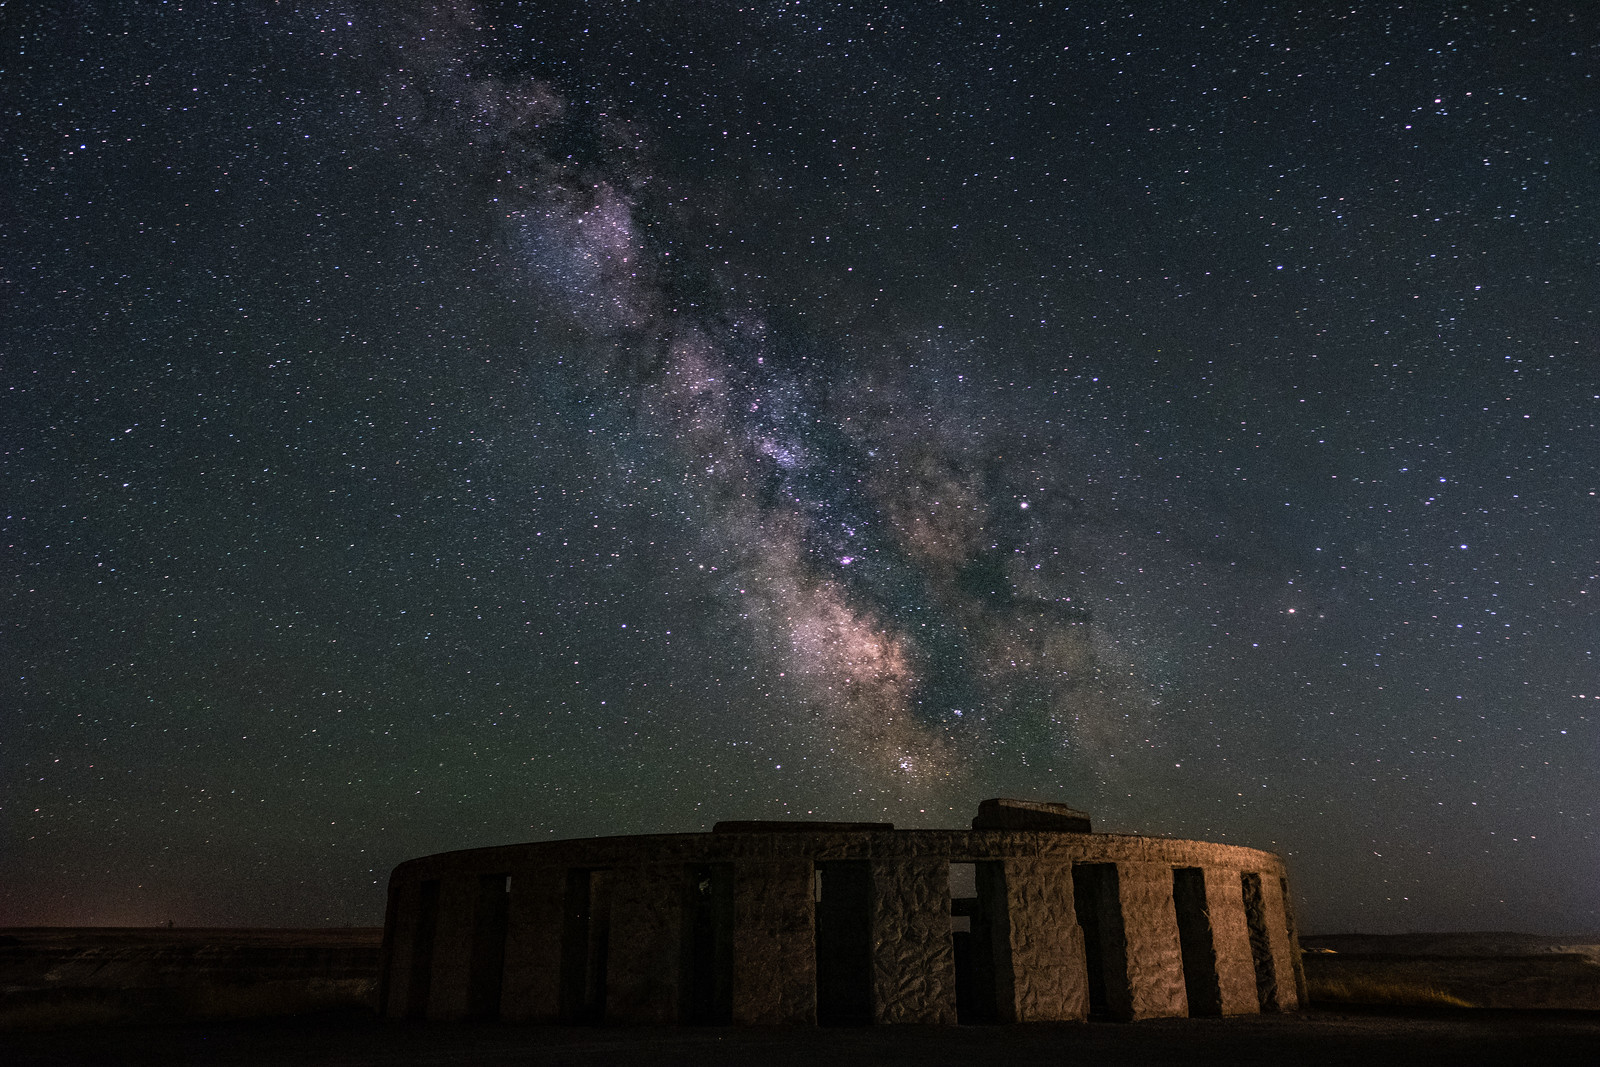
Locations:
(798, 826)
(1005, 814)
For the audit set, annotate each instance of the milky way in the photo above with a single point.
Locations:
(878, 555)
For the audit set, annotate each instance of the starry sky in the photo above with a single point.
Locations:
(434, 425)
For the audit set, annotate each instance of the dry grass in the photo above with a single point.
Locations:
(1392, 992)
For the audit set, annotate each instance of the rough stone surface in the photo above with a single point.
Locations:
(1005, 814)
(398, 948)
(1292, 928)
(1236, 973)
(774, 946)
(1047, 981)
(532, 989)
(647, 907)
(914, 976)
(794, 826)
(1150, 927)
(1283, 952)
(774, 949)
(452, 946)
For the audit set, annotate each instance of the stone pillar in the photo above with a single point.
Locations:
(646, 949)
(1041, 971)
(913, 960)
(1236, 971)
(1154, 953)
(452, 946)
(402, 950)
(774, 944)
(1283, 948)
(532, 990)
(1294, 943)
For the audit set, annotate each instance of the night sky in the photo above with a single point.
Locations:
(430, 426)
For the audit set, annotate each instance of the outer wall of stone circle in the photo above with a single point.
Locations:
(1294, 942)
(401, 950)
(774, 944)
(1155, 957)
(646, 943)
(1048, 978)
(452, 946)
(1230, 934)
(532, 989)
(914, 971)
(1283, 951)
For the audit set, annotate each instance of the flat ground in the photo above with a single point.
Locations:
(1367, 1038)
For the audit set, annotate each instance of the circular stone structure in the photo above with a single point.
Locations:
(1028, 916)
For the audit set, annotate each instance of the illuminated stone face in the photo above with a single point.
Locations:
(776, 923)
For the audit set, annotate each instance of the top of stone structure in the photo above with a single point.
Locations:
(795, 826)
(1005, 814)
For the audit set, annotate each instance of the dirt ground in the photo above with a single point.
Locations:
(1316, 1037)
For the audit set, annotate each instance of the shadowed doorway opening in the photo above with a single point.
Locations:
(843, 897)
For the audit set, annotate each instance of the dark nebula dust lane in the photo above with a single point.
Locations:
(438, 424)
(886, 608)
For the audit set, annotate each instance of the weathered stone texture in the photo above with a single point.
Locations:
(1150, 927)
(452, 946)
(532, 990)
(914, 977)
(647, 906)
(1293, 930)
(1004, 814)
(1283, 951)
(774, 946)
(1236, 972)
(1044, 979)
(400, 951)
(1028, 927)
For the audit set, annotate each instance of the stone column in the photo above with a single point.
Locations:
(1042, 975)
(402, 948)
(1281, 945)
(646, 948)
(1154, 954)
(774, 944)
(913, 960)
(1236, 969)
(1294, 943)
(532, 990)
(452, 946)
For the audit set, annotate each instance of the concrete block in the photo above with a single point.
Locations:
(532, 990)
(913, 960)
(452, 946)
(1284, 952)
(774, 948)
(1005, 814)
(400, 947)
(1236, 972)
(1154, 954)
(1043, 977)
(646, 947)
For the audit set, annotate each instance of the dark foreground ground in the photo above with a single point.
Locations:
(1366, 1038)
